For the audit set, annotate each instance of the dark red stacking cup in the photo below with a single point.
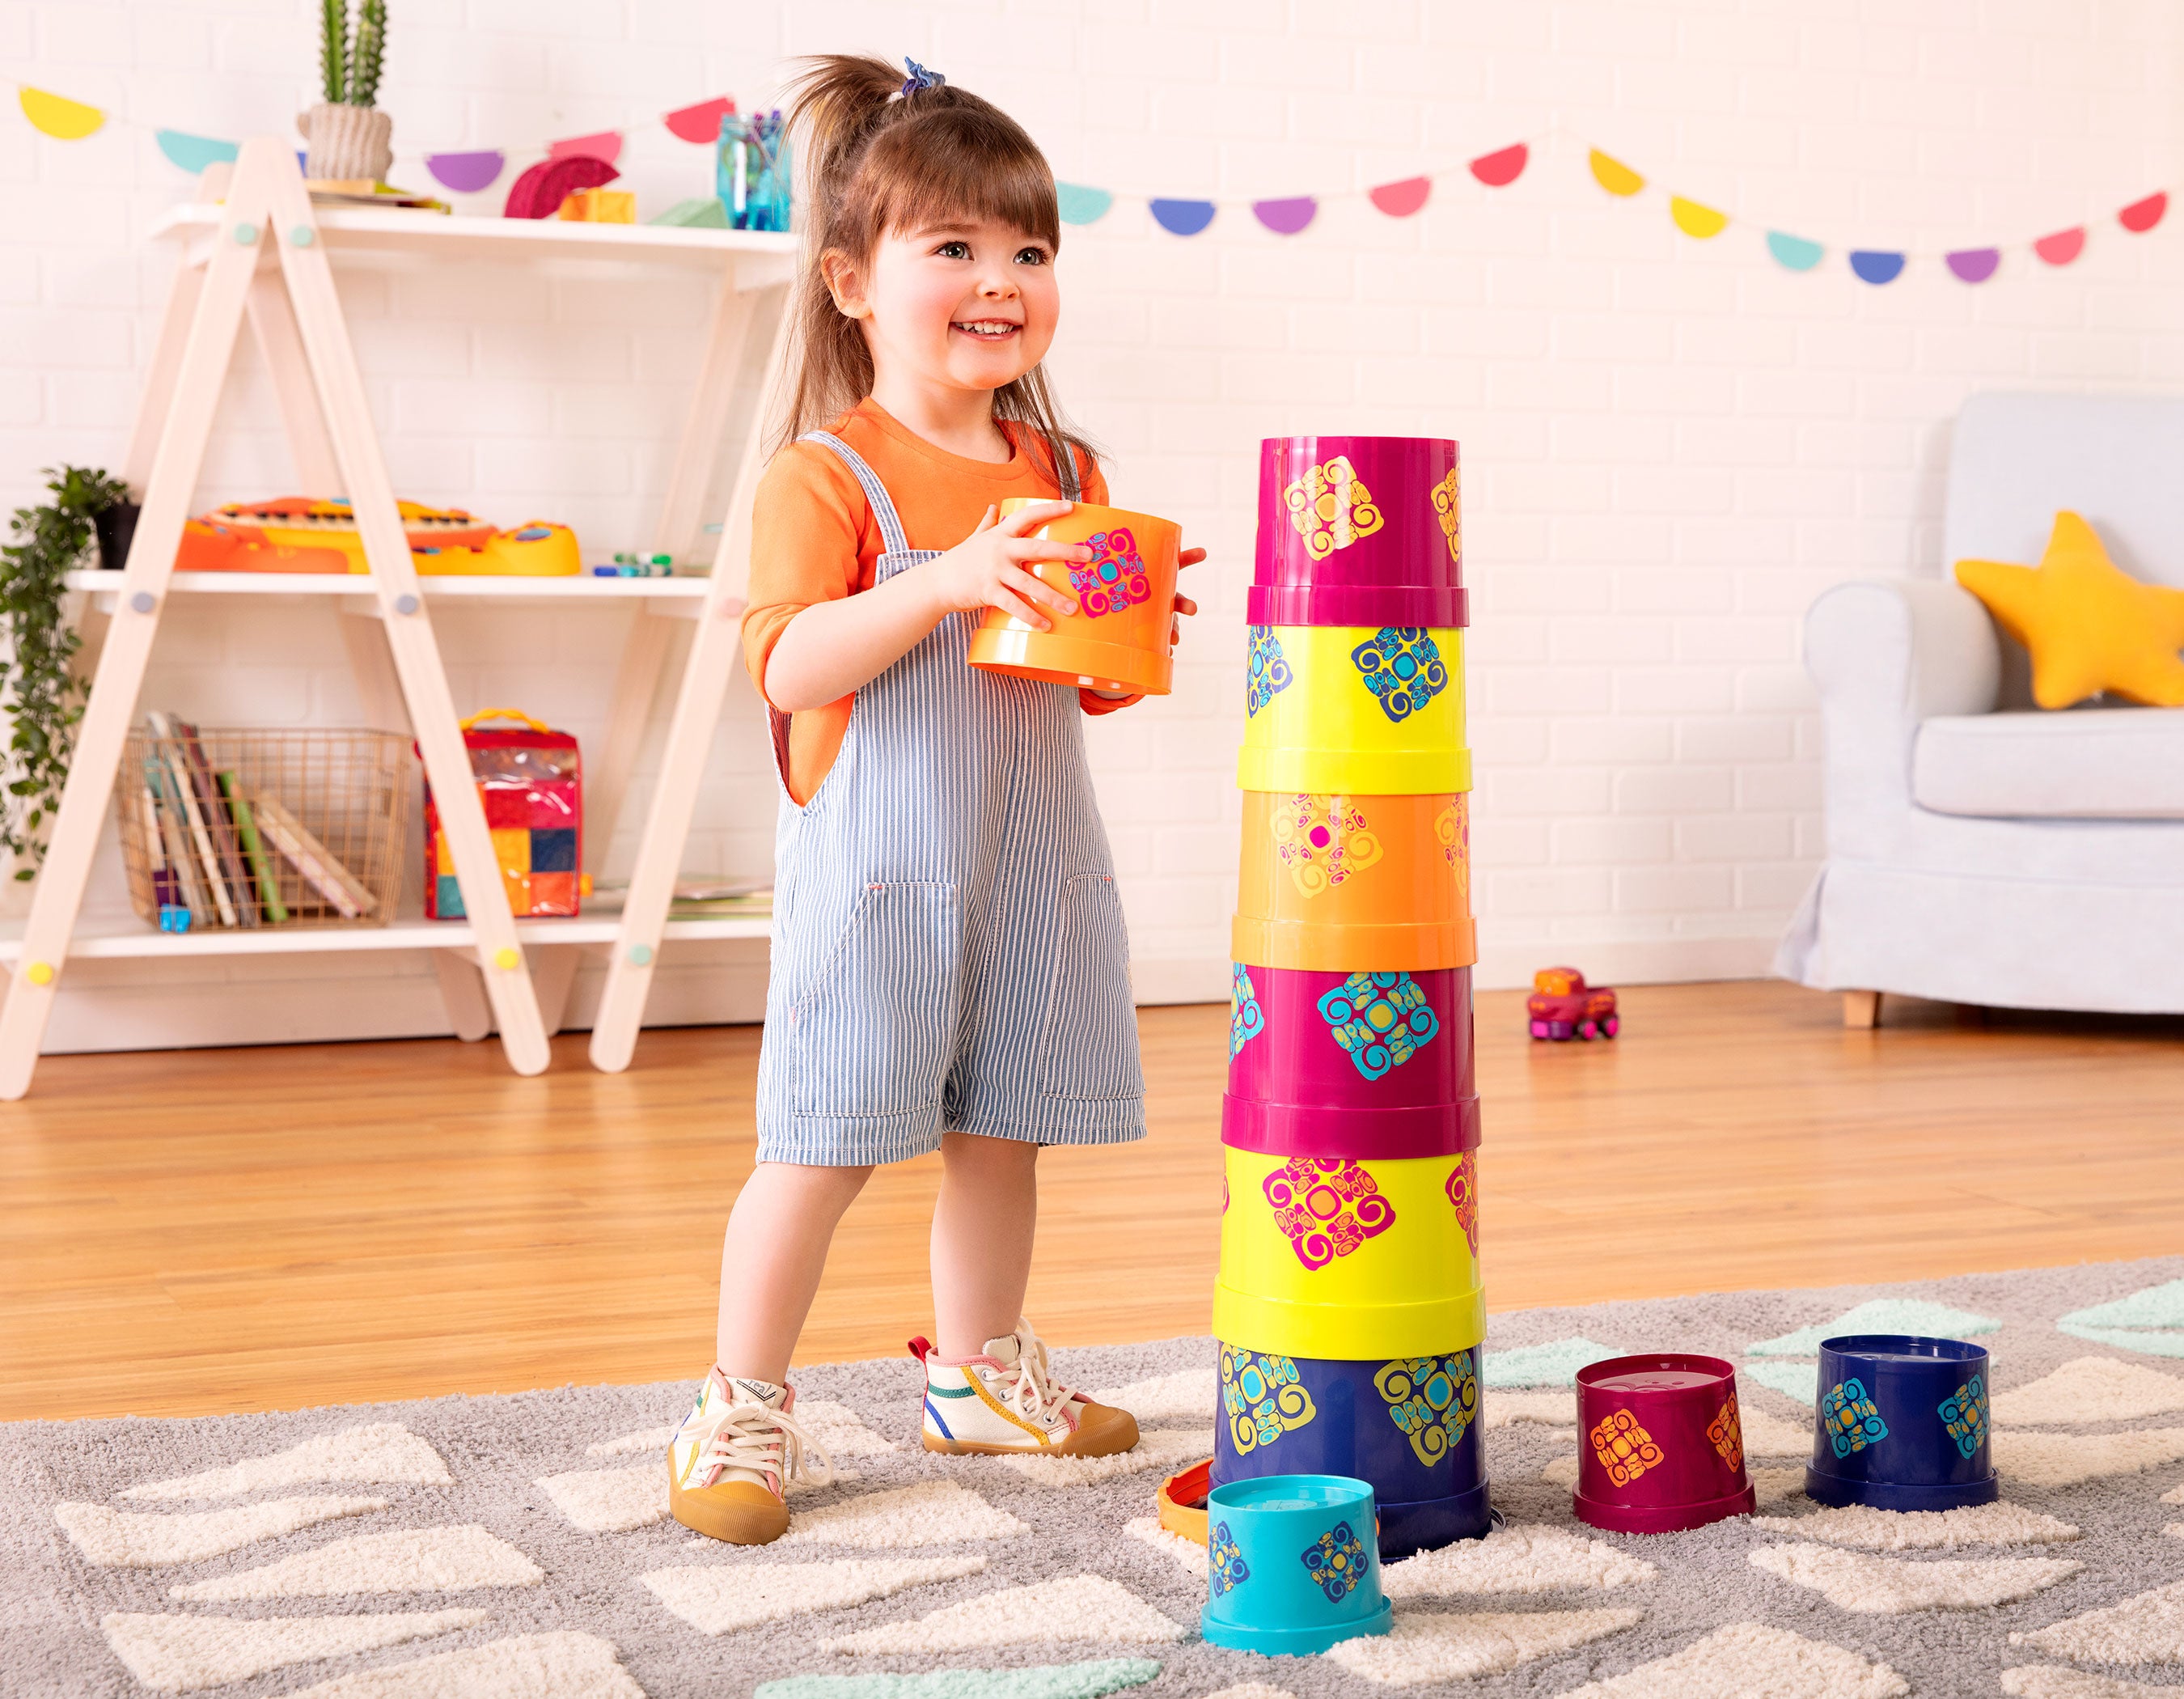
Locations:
(1660, 1444)
(1358, 531)
(1310, 1075)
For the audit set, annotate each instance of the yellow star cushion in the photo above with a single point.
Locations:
(2090, 626)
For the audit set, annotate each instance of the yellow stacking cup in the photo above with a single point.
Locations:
(1349, 709)
(1332, 1257)
(1355, 884)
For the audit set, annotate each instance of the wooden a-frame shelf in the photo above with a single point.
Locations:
(253, 244)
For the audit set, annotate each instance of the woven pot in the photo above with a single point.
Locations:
(349, 144)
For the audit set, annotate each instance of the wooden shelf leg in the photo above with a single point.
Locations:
(554, 973)
(189, 367)
(1861, 1010)
(323, 338)
(462, 988)
(606, 778)
(714, 649)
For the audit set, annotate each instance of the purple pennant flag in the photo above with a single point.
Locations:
(1286, 217)
(466, 173)
(1974, 264)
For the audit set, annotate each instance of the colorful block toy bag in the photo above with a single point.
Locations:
(532, 784)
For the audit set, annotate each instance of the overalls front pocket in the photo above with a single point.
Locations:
(1089, 1047)
(872, 1030)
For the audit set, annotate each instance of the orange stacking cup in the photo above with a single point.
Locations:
(1355, 884)
(1118, 637)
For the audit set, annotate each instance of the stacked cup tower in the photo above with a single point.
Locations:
(1348, 1307)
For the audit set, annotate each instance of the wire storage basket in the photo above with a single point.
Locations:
(249, 828)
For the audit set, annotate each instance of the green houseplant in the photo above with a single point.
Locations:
(350, 137)
(41, 697)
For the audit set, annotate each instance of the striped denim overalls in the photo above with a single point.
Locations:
(948, 946)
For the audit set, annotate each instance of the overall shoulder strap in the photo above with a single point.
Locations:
(882, 504)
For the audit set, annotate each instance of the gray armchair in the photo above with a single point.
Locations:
(1980, 851)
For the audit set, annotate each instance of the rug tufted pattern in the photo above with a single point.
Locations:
(475, 1548)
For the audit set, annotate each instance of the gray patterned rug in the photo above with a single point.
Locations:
(519, 1545)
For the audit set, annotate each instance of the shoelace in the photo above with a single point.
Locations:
(1036, 1396)
(751, 1436)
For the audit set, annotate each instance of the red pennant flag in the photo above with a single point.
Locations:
(701, 122)
(1497, 170)
(2141, 216)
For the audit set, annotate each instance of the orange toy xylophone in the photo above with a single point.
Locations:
(304, 534)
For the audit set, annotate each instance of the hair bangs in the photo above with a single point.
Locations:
(957, 166)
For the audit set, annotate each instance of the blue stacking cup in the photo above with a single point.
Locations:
(1901, 1423)
(1409, 1427)
(1293, 1564)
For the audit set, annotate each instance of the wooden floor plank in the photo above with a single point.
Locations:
(195, 1231)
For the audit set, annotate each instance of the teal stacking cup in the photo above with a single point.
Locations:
(1293, 1564)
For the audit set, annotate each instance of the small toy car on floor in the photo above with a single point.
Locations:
(1564, 1006)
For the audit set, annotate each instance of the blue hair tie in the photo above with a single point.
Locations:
(919, 78)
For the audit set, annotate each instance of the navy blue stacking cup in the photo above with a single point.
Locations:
(1408, 1427)
(1901, 1423)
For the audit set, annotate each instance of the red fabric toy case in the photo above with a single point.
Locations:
(531, 780)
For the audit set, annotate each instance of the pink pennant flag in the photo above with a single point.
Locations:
(606, 145)
(2061, 248)
(1400, 200)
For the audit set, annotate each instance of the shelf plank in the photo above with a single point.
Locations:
(396, 230)
(112, 939)
(557, 589)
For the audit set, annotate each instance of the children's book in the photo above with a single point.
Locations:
(167, 816)
(219, 823)
(321, 870)
(254, 848)
(186, 792)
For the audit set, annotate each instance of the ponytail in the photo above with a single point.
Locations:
(881, 153)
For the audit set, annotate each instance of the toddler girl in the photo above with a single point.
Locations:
(949, 970)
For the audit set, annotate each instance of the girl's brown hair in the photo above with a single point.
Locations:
(876, 160)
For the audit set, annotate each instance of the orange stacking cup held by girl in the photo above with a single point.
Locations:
(1120, 638)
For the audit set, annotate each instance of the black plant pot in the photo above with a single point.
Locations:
(115, 527)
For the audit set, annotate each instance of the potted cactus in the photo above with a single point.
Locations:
(349, 136)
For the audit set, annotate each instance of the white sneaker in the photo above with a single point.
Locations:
(1006, 1400)
(730, 1462)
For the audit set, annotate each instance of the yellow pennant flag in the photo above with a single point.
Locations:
(65, 120)
(1614, 176)
(1694, 220)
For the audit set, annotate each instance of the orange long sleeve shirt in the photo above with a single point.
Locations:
(814, 539)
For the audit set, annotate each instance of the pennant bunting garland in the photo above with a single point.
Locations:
(1181, 218)
(2061, 248)
(1794, 252)
(470, 171)
(69, 120)
(1400, 200)
(2141, 216)
(192, 153)
(1287, 217)
(1080, 204)
(1614, 176)
(1694, 220)
(605, 147)
(1498, 170)
(701, 123)
(466, 173)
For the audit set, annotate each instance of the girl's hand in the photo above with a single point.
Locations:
(1184, 605)
(987, 568)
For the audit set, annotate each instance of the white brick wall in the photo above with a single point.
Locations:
(1670, 446)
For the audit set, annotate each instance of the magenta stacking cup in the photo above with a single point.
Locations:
(1359, 1064)
(1359, 531)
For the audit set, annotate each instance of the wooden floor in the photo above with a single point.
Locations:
(192, 1232)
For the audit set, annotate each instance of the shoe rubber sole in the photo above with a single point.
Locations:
(1093, 1437)
(735, 1513)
